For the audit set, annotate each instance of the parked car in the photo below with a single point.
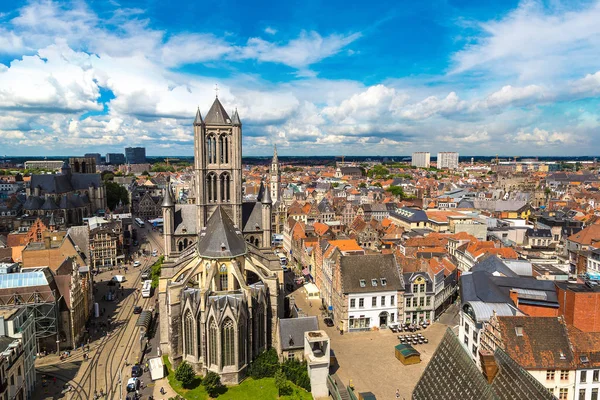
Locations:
(328, 322)
(137, 310)
(154, 253)
(137, 371)
(146, 275)
(133, 384)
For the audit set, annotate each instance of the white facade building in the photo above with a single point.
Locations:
(447, 159)
(421, 159)
(587, 383)
(372, 309)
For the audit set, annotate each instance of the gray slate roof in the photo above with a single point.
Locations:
(217, 114)
(220, 239)
(185, 219)
(251, 216)
(452, 375)
(291, 331)
(355, 268)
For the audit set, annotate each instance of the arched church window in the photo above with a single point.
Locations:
(227, 343)
(223, 277)
(225, 186)
(211, 187)
(188, 333)
(180, 246)
(242, 343)
(260, 326)
(199, 336)
(212, 342)
(208, 150)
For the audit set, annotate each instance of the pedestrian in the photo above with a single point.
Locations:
(397, 393)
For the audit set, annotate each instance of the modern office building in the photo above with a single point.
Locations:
(421, 159)
(115, 158)
(447, 159)
(135, 155)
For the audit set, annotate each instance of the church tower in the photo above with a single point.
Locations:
(275, 179)
(218, 164)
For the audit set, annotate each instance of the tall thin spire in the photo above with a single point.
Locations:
(235, 120)
(275, 159)
(198, 121)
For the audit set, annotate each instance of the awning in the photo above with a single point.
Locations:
(144, 320)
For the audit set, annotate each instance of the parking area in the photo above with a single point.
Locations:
(367, 359)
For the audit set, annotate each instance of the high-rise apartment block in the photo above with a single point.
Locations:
(447, 159)
(115, 158)
(135, 155)
(421, 159)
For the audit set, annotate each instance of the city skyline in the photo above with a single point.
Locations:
(321, 79)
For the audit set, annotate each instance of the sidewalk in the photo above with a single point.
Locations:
(164, 383)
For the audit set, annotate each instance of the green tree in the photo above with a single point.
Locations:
(145, 173)
(155, 271)
(362, 185)
(114, 194)
(185, 374)
(265, 365)
(281, 383)
(297, 372)
(212, 384)
(107, 176)
(396, 191)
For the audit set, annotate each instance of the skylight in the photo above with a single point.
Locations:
(373, 282)
(383, 281)
(363, 283)
(519, 330)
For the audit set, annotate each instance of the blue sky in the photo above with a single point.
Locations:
(330, 78)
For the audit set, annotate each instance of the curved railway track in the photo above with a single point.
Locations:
(110, 343)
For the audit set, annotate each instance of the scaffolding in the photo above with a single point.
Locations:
(41, 304)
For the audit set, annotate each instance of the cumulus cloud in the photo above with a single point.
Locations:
(433, 105)
(512, 96)
(534, 41)
(541, 137)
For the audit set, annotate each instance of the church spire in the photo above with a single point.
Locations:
(275, 159)
(198, 121)
(235, 120)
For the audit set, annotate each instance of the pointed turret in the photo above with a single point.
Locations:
(52, 223)
(65, 169)
(168, 198)
(266, 198)
(217, 114)
(275, 158)
(198, 121)
(235, 120)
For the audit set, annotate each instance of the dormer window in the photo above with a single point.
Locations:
(223, 247)
(519, 330)
(363, 283)
(373, 282)
(383, 281)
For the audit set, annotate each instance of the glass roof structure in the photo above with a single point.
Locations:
(23, 279)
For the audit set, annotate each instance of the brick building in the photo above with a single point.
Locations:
(579, 304)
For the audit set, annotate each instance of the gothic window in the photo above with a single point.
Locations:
(188, 332)
(211, 187)
(225, 186)
(242, 343)
(212, 342)
(180, 246)
(223, 277)
(227, 343)
(208, 149)
(223, 149)
(260, 324)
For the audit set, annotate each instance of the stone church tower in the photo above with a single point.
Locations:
(218, 163)
(220, 295)
(275, 177)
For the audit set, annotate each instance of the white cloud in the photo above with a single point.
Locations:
(541, 137)
(192, 48)
(375, 102)
(307, 49)
(535, 41)
(271, 31)
(56, 79)
(590, 84)
(514, 96)
(431, 106)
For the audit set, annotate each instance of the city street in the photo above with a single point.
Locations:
(114, 344)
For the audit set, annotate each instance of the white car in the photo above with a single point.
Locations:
(154, 253)
(133, 384)
(137, 264)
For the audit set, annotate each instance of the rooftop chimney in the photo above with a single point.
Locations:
(488, 365)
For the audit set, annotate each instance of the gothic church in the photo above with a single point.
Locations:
(220, 290)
